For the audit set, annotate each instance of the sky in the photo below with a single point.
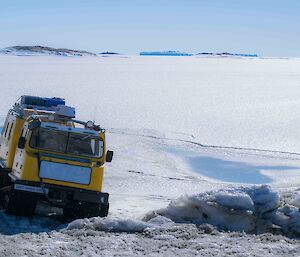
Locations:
(265, 27)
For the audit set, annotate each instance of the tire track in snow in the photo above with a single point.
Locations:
(111, 131)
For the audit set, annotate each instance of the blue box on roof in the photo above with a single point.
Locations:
(48, 102)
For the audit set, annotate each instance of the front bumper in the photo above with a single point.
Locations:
(59, 195)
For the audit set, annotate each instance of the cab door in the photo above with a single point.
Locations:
(9, 139)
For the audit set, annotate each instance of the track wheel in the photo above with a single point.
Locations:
(104, 210)
(85, 210)
(70, 212)
(4, 197)
(21, 204)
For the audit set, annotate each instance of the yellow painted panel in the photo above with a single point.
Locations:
(30, 172)
(13, 141)
(27, 168)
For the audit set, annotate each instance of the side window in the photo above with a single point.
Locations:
(10, 130)
(25, 131)
(33, 139)
(6, 129)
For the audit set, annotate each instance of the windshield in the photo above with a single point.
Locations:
(66, 142)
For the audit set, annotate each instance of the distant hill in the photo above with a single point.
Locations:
(165, 53)
(109, 53)
(43, 50)
(226, 54)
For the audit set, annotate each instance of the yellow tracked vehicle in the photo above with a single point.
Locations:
(48, 155)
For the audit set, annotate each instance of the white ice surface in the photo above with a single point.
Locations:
(156, 110)
(239, 102)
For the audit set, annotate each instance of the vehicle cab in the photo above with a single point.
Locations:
(51, 156)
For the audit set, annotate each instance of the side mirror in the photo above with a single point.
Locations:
(21, 143)
(109, 156)
(34, 124)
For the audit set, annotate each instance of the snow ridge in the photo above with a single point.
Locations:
(256, 209)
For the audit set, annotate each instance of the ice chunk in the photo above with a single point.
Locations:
(78, 224)
(121, 225)
(110, 224)
(296, 202)
(235, 200)
(250, 209)
(264, 198)
(253, 209)
(204, 208)
(161, 220)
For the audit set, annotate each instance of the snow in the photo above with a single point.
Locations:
(250, 209)
(179, 240)
(296, 202)
(255, 209)
(119, 224)
(168, 120)
(108, 224)
(232, 102)
(157, 237)
(234, 200)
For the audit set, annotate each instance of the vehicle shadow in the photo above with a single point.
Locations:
(42, 221)
(233, 171)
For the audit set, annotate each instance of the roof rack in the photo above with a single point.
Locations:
(39, 103)
(51, 110)
(26, 105)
